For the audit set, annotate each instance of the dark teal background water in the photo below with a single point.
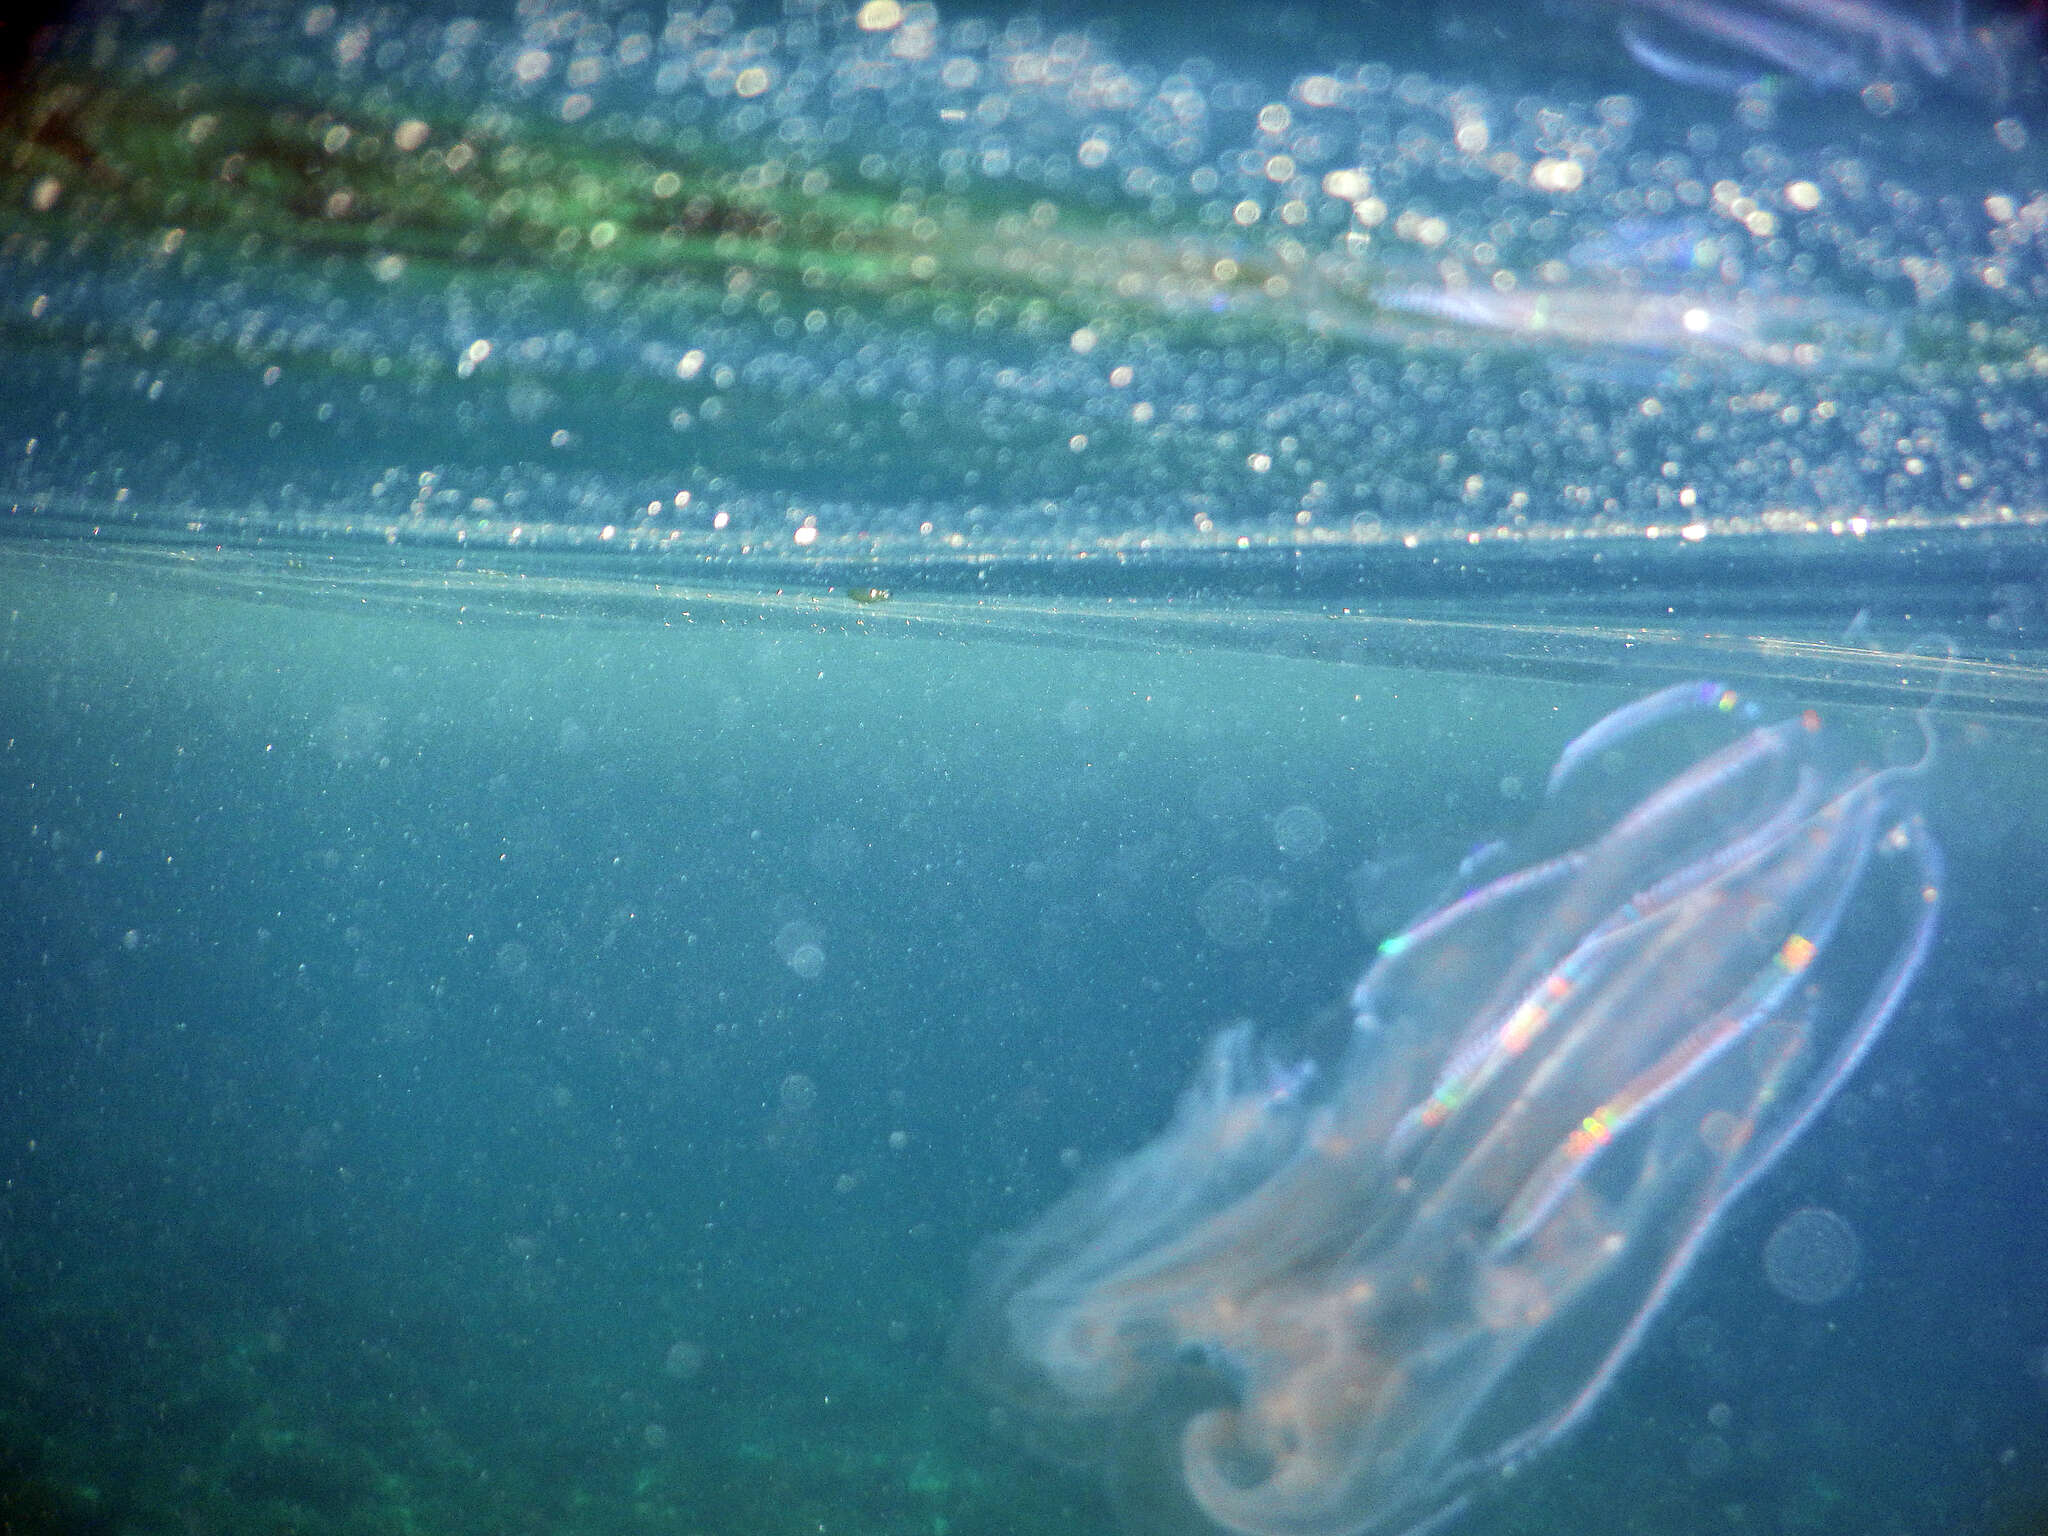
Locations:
(399, 1063)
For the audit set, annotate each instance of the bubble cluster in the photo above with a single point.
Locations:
(892, 282)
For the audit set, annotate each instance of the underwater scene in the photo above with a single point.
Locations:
(861, 768)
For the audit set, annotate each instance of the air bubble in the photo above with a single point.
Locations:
(1812, 1257)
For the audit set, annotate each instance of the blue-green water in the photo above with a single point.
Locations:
(602, 777)
(422, 1114)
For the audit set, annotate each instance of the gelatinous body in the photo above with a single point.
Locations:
(1833, 44)
(1331, 1303)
